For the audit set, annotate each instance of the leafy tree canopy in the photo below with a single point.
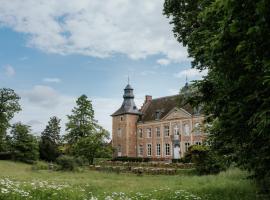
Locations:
(231, 40)
(24, 144)
(9, 105)
(92, 145)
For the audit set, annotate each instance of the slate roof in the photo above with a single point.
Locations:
(163, 105)
(128, 106)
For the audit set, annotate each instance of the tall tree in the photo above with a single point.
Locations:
(81, 122)
(9, 105)
(50, 140)
(92, 145)
(231, 39)
(24, 144)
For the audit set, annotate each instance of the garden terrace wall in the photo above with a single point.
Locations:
(148, 164)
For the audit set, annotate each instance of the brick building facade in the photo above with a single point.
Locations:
(160, 129)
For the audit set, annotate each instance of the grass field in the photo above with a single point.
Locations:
(19, 181)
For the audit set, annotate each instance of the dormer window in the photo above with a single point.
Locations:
(157, 115)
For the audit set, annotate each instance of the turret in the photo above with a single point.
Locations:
(124, 124)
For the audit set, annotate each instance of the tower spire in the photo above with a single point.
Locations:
(128, 79)
(186, 81)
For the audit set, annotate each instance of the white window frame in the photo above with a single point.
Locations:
(187, 144)
(140, 150)
(149, 149)
(176, 130)
(166, 131)
(158, 133)
(158, 150)
(167, 149)
(149, 132)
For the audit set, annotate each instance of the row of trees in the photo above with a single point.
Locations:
(84, 138)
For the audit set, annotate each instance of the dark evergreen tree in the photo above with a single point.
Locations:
(81, 122)
(50, 140)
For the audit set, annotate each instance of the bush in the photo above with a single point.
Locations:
(40, 166)
(67, 163)
(5, 155)
(206, 160)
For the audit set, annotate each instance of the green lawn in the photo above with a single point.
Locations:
(19, 181)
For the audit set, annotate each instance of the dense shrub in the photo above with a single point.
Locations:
(5, 155)
(206, 161)
(66, 163)
(40, 166)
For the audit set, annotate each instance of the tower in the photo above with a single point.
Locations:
(124, 122)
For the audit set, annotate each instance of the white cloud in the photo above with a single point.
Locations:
(43, 96)
(94, 28)
(52, 80)
(191, 74)
(42, 102)
(9, 70)
(163, 61)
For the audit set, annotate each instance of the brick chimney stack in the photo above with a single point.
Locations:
(148, 98)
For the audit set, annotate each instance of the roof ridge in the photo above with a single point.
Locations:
(165, 97)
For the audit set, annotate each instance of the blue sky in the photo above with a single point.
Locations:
(52, 52)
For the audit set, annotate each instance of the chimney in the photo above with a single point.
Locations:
(148, 98)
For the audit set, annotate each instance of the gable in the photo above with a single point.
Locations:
(177, 113)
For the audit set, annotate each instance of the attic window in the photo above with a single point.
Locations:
(134, 108)
(157, 116)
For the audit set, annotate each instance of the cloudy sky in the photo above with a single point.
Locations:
(52, 51)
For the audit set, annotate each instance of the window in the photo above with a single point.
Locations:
(166, 130)
(140, 150)
(198, 143)
(158, 131)
(149, 149)
(158, 149)
(167, 150)
(186, 129)
(197, 128)
(119, 132)
(140, 132)
(119, 151)
(121, 118)
(158, 113)
(149, 132)
(186, 146)
(176, 130)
